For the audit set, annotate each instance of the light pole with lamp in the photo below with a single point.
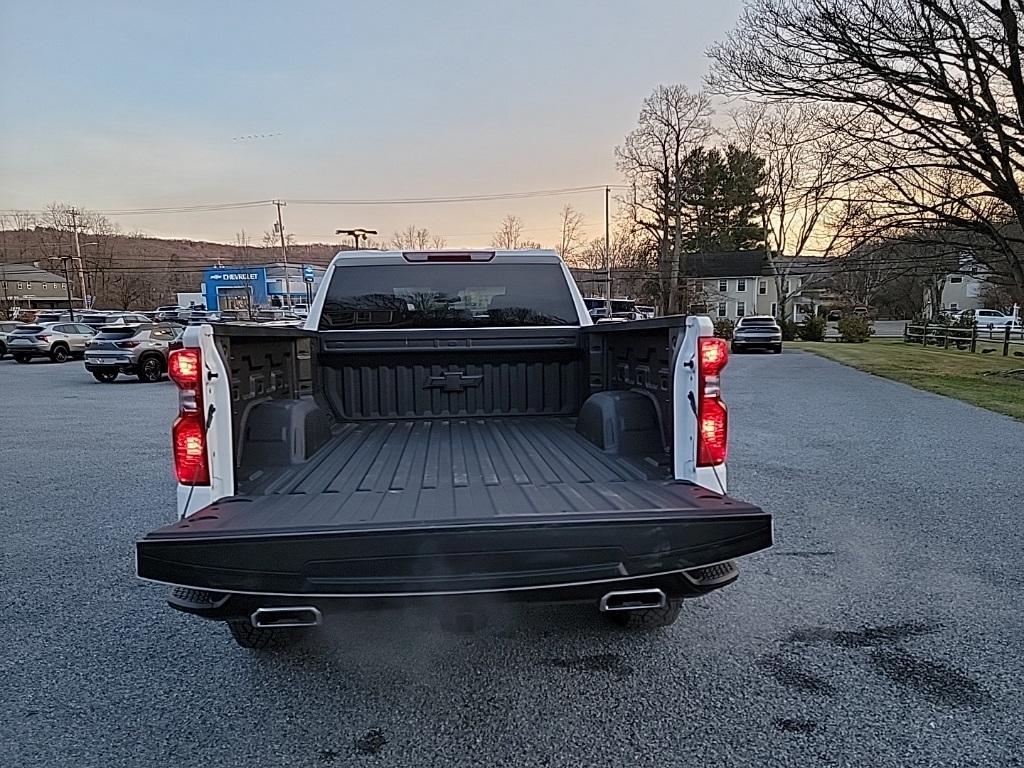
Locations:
(356, 234)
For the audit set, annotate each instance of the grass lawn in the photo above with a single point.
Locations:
(951, 373)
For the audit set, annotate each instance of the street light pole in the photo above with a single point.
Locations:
(356, 233)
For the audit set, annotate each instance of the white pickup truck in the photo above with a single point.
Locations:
(448, 426)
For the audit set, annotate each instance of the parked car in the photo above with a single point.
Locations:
(168, 313)
(6, 326)
(98, 320)
(757, 331)
(136, 350)
(57, 341)
(51, 316)
(990, 319)
(521, 454)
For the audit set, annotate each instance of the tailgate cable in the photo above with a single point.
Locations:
(192, 487)
(693, 407)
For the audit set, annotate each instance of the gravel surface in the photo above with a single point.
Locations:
(884, 629)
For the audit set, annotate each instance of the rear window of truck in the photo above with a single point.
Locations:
(448, 296)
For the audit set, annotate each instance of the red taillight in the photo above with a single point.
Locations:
(126, 344)
(712, 416)
(714, 354)
(183, 367)
(42, 337)
(188, 435)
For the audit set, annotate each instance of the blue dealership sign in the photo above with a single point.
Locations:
(308, 273)
(226, 287)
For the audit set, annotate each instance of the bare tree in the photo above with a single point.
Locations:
(932, 92)
(415, 238)
(571, 241)
(804, 203)
(509, 236)
(672, 123)
(438, 242)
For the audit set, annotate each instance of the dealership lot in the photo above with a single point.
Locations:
(880, 629)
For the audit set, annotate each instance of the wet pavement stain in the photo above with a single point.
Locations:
(789, 725)
(936, 682)
(597, 662)
(790, 675)
(866, 637)
(371, 742)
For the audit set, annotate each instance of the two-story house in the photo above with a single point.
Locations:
(738, 283)
(27, 286)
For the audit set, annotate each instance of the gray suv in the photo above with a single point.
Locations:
(137, 350)
(57, 341)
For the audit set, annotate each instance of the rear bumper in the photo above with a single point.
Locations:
(110, 364)
(224, 606)
(764, 341)
(563, 557)
(32, 350)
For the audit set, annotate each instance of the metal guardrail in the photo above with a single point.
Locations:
(947, 336)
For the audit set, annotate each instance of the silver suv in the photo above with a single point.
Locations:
(57, 341)
(137, 350)
(756, 331)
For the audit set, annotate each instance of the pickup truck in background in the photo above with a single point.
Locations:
(449, 427)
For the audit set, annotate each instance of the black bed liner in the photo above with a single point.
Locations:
(458, 505)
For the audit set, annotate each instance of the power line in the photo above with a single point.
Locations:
(439, 199)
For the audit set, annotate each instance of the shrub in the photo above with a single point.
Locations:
(813, 329)
(963, 321)
(724, 328)
(855, 329)
(789, 330)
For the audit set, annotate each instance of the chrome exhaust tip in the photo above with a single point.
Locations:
(633, 600)
(290, 616)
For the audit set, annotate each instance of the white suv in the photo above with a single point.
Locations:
(991, 318)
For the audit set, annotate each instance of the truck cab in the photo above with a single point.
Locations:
(448, 426)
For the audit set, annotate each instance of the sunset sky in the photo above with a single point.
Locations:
(124, 105)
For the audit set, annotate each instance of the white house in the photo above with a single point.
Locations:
(738, 283)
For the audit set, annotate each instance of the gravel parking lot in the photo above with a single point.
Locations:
(884, 628)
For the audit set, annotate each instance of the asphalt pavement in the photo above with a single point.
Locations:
(884, 629)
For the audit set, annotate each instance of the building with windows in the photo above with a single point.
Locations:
(258, 287)
(27, 286)
(738, 283)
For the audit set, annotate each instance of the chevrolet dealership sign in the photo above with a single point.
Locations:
(226, 287)
(234, 276)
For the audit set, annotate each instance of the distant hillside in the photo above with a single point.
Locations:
(124, 271)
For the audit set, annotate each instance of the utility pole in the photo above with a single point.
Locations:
(607, 252)
(284, 255)
(73, 212)
(67, 283)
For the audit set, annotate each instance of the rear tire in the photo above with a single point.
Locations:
(60, 354)
(260, 639)
(648, 618)
(104, 376)
(22, 358)
(150, 371)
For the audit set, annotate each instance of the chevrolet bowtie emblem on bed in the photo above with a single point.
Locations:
(453, 381)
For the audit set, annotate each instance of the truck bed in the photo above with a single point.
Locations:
(451, 506)
(388, 472)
